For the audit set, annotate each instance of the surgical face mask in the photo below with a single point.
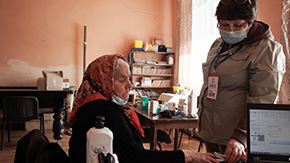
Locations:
(117, 100)
(234, 36)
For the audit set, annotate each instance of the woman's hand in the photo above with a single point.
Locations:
(235, 151)
(196, 157)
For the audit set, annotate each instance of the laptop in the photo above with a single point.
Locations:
(268, 133)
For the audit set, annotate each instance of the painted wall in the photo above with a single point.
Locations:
(39, 35)
(45, 35)
(269, 11)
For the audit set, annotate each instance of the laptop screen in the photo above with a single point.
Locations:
(269, 132)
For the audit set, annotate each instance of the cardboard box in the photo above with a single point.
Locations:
(41, 84)
(53, 80)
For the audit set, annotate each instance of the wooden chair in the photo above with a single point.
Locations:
(20, 108)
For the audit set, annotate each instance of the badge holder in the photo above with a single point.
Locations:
(212, 86)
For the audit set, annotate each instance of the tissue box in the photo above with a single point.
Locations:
(53, 80)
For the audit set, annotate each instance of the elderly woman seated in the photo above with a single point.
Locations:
(104, 92)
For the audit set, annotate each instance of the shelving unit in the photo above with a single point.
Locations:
(152, 66)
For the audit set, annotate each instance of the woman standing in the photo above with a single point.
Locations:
(245, 65)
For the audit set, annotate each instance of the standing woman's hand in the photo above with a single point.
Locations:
(235, 151)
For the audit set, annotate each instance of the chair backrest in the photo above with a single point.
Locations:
(35, 147)
(20, 108)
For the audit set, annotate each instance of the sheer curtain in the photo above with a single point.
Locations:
(284, 96)
(197, 29)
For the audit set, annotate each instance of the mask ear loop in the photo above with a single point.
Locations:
(247, 25)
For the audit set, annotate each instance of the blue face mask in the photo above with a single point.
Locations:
(117, 100)
(234, 36)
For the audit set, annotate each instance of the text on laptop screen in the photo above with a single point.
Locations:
(270, 132)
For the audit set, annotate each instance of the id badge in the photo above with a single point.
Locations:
(213, 80)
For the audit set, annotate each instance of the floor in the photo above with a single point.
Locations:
(7, 155)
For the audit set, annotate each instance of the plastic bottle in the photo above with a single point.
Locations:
(150, 47)
(99, 140)
(189, 101)
(192, 104)
(145, 47)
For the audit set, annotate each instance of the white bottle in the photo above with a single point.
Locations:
(99, 140)
(192, 104)
(146, 46)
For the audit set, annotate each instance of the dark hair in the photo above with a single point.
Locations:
(233, 11)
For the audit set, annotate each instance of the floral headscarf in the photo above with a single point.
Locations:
(98, 84)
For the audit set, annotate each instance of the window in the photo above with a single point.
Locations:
(203, 32)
